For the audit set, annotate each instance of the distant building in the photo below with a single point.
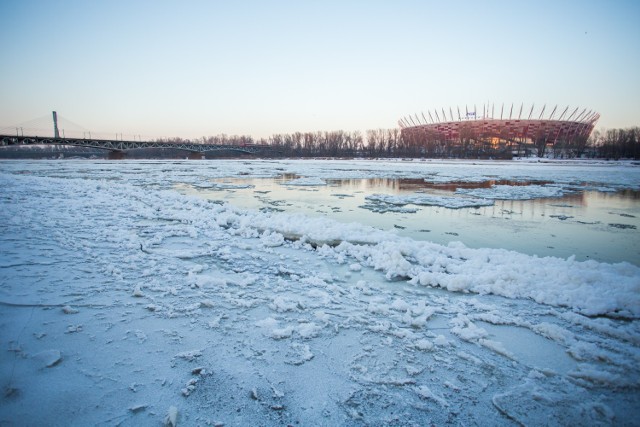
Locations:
(509, 132)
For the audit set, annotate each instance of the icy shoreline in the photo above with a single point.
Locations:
(126, 300)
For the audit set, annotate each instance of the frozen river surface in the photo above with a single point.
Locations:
(530, 214)
(319, 293)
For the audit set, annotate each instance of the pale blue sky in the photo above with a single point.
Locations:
(194, 68)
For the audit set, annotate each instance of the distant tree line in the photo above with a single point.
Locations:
(221, 139)
(616, 143)
(611, 143)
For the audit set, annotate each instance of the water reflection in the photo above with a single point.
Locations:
(453, 186)
(588, 224)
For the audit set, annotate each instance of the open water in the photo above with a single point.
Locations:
(604, 226)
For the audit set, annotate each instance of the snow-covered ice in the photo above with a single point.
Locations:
(430, 200)
(516, 192)
(125, 302)
(311, 182)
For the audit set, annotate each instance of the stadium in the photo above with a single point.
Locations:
(510, 132)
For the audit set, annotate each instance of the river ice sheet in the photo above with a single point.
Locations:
(123, 301)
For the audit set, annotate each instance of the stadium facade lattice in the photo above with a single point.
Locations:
(498, 130)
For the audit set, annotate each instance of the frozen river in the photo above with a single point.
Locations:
(589, 224)
(319, 293)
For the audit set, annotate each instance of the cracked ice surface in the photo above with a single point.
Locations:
(125, 302)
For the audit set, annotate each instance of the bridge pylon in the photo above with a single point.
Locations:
(56, 133)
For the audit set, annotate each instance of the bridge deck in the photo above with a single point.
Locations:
(115, 145)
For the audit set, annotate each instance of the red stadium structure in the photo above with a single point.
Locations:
(510, 131)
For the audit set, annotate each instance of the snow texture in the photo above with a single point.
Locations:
(125, 302)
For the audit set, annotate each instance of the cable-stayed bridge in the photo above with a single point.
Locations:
(56, 130)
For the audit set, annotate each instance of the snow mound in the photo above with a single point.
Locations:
(589, 287)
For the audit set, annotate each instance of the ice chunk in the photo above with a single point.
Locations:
(171, 419)
(355, 267)
(282, 304)
(515, 192)
(48, 358)
(400, 305)
(138, 408)
(207, 303)
(306, 182)
(425, 393)
(450, 202)
(308, 330)
(271, 239)
(271, 328)
(69, 310)
(467, 330)
(424, 345)
(189, 355)
(299, 354)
